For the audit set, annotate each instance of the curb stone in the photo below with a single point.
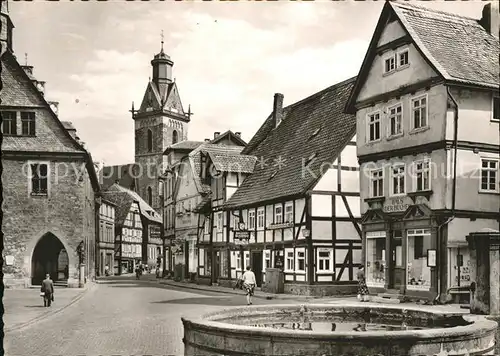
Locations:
(50, 313)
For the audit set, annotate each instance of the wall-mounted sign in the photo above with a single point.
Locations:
(9, 260)
(280, 226)
(154, 232)
(431, 258)
(242, 235)
(395, 205)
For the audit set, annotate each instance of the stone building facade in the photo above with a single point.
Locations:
(49, 182)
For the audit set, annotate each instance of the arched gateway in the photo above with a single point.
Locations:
(49, 256)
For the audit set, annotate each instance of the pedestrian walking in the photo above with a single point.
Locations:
(363, 292)
(249, 283)
(47, 290)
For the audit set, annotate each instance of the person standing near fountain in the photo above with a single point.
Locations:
(363, 293)
(249, 283)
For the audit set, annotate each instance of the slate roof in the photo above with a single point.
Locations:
(195, 162)
(145, 209)
(236, 163)
(18, 89)
(292, 142)
(123, 201)
(459, 47)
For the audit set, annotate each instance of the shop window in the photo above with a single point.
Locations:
(460, 267)
(419, 274)
(238, 260)
(247, 259)
(375, 258)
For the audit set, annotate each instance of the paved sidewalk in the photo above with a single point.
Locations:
(24, 307)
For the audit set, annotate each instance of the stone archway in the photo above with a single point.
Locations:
(49, 251)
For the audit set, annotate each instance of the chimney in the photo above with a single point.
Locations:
(491, 19)
(216, 134)
(238, 134)
(207, 140)
(278, 109)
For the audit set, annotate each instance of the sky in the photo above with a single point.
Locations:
(229, 58)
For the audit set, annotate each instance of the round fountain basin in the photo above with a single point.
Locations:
(347, 329)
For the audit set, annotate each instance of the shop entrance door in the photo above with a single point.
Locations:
(396, 265)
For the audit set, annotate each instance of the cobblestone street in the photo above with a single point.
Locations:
(120, 317)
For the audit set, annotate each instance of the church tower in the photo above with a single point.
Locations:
(159, 123)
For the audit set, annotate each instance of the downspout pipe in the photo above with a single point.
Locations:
(454, 178)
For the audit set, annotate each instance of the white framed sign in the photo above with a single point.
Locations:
(9, 260)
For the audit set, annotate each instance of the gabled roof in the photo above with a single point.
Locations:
(314, 127)
(122, 201)
(145, 209)
(195, 161)
(14, 143)
(458, 48)
(236, 163)
(231, 136)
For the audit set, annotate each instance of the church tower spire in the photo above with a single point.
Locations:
(162, 66)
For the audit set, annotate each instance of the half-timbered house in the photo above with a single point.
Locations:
(299, 208)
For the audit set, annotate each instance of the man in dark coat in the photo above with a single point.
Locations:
(48, 289)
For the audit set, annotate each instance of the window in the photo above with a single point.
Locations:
(150, 196)
(251, 220)
(28, 123)
(260, 218)
(150, 140)
(395, 121)
(389, 64)
(238, 260)
(236, 220)
(398, 179)
(403, 58)
(419, 112)
(377, 183)
(278, 214)
(422, 175)
(375, 258)
(325, 260)
(219, 221)
(496, 108)
(39, 179)
(489, 175)
(289, 212)
(175, 137)
(207, 225)
(419, 274)
(289, 263)
(373, 127)
(9, 123)
(301, 260)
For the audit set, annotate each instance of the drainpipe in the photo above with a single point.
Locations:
(454, 181)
